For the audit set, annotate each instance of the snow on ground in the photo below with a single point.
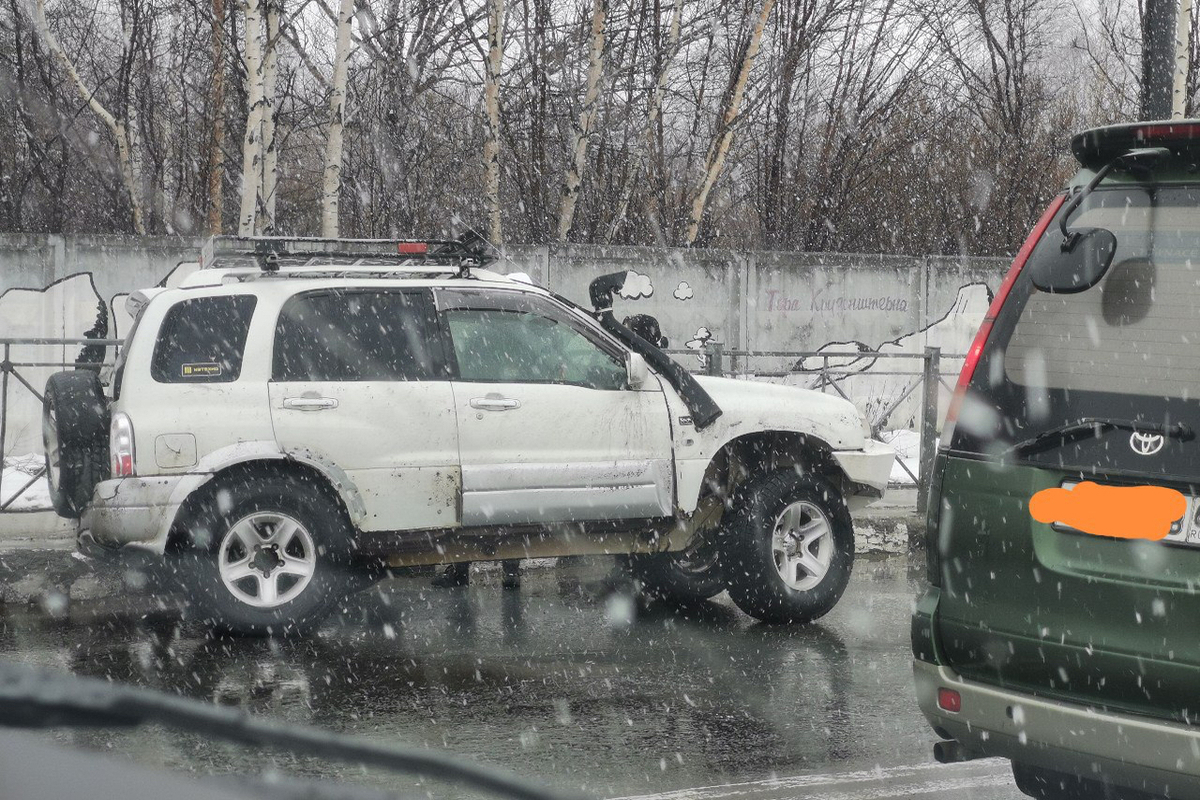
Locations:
(907, 445)
(18, 470)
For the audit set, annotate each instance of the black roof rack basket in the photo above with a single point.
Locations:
(270, 253)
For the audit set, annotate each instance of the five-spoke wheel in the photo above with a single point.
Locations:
(266, 553)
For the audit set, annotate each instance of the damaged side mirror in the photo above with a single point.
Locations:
(636, 371)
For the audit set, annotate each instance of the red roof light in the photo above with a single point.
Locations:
(412, 248)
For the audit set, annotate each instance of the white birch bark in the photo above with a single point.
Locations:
(491, 96)
(332, 185)
(587, 117)
(128, 157)
(252, 152)
(266, 212)
(1183, 46)
(715, 160)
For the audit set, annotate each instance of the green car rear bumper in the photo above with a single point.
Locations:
(1139, 752)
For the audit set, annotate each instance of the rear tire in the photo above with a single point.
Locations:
(1049, 784)
(74, 439)
(266, 555)
(789, 548)
(689, 576)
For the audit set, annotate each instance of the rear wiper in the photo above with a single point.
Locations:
(36, 698)
(1092, 426)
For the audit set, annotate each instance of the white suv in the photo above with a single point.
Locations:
(274, 428)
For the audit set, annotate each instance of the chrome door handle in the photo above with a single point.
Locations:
(310, 403)
(495, 403)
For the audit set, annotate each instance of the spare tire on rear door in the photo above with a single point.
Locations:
(75, 438)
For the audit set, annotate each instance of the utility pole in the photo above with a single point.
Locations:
(1158, 62)
(1183, 48)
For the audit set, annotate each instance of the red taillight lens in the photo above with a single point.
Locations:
(985, 329)
(120, 447)
(949, 700)
(412, 248)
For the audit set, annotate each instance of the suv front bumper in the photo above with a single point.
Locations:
(1138, 752)
(133, 511)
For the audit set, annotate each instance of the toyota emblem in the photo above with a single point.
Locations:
(1146, 444)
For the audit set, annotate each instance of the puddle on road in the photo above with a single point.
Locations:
(545, 681)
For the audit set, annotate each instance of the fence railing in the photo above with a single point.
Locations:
(920, 378)
(14, 375)
(920, 375)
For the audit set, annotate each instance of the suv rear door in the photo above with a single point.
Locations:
(1042, 607)
(359, 378)
(548, 430)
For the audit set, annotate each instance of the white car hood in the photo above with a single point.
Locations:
(748, 406)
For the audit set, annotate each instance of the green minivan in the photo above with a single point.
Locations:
(1073, 648)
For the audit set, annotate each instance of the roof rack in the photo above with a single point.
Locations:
(261, 256)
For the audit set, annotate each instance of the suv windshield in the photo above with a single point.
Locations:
(1121, 350)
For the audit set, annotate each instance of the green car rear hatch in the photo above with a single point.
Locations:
(1101, 384)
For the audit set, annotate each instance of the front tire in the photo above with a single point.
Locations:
(789, 548)
(266, 555)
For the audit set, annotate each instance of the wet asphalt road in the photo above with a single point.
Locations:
(555, 681)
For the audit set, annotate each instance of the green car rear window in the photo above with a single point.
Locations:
(1127, 348)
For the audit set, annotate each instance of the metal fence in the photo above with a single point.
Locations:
(920, 380)
(15, 376)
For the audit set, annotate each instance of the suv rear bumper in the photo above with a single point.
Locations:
(133, 511)
(1134, 751)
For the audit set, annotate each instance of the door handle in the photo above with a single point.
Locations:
(495, 403)
(310, 403)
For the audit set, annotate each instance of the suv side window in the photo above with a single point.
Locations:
(356, 335)
(202, 340)
(522, 342)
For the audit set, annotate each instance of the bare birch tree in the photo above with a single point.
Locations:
(730, 110)
(252, 144)
(266, 212)
(491, 91)
(124, 131)
(331, 187)
(587, 116)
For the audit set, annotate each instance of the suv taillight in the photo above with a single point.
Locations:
(985, 328)
(120, 446)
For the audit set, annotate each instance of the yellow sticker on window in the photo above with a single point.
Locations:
(206, 370)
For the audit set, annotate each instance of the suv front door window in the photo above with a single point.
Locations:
(508, 345)
(548, 430)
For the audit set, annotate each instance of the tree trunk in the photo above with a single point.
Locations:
(128, 160)
(332, 187)
(216, 152)
(1183, 49)
(655, 157)
(719, 149)
(252, 152)
(491, 95)
(1158, 58)
(266, 213)
(583, 128)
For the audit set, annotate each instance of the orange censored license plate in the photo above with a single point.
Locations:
(1122, 512)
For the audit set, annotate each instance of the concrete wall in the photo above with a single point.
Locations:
(55, 286)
